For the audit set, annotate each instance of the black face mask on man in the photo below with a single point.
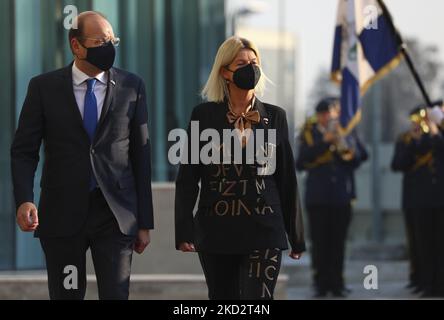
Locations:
(101, 57)
(246, 77)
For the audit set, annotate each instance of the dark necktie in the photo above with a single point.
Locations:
(90, 111)
(90, 119)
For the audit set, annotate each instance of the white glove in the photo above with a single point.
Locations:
(436, 115)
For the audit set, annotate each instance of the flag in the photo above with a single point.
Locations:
(366, 48)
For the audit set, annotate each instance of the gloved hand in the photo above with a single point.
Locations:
(435, 115)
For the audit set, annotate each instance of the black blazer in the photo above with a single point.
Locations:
(264, 211)
(119, 154)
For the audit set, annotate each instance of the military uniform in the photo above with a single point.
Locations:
(422, 162)
(330, 189)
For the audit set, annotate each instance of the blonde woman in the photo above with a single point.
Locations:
(244, 217)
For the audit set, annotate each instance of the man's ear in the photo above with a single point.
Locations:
(76, 47)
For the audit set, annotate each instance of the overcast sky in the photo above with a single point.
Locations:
(313, 23)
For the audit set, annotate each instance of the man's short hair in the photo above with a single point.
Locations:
(326, 104)
(78, 32)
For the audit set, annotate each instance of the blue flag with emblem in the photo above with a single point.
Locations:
(365, 49)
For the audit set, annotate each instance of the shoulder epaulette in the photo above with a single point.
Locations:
(406, 138)
(307, 134)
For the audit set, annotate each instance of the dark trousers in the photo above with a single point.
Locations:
(328, 230)
(430, 226)
(410, 217)
(111, 253)
(241, 277)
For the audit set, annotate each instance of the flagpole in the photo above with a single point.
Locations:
(406, 54)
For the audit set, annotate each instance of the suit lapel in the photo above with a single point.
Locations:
(217, 118)
(109, 97)
(265, 120)
(264, 123)
(110, 91)
(68, 93)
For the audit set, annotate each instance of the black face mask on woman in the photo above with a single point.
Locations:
(246, 77)
(101, 57)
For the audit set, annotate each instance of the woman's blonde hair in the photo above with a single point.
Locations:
(214, 90)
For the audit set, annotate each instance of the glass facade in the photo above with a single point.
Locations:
(169, 43)
(7, 115)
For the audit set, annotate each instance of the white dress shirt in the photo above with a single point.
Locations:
(79, 84)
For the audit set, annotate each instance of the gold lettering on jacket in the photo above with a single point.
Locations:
(231, 207)
(238, 189)
(260, 185)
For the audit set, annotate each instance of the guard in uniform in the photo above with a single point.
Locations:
(330, 160)
(419, 155)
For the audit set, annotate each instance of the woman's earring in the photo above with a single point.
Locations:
(226, 90)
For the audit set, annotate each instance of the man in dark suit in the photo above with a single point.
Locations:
(96, 180)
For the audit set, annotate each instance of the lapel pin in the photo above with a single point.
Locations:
(113, 82)
(266, 121)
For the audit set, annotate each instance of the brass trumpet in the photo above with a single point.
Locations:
(341, 146)
(420, 118)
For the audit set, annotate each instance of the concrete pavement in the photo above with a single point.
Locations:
(392, 280)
